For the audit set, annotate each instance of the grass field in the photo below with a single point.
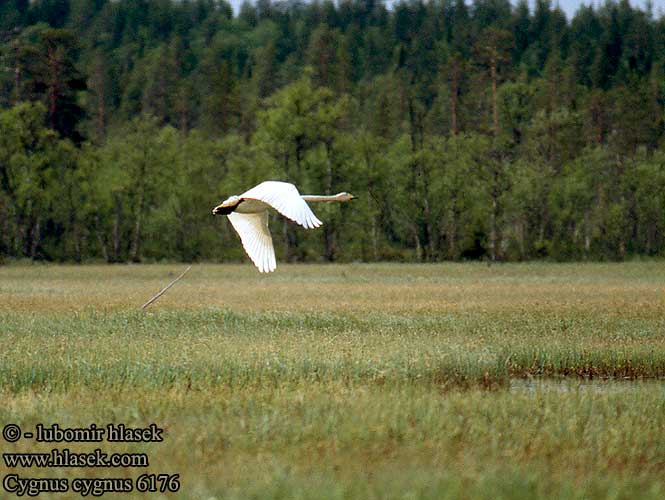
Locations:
(349, 381)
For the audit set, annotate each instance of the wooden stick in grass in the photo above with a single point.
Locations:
(154, 298)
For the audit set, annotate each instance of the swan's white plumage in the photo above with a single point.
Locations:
(248, 214)
(253, 227)
(285, 198)
(255, 238)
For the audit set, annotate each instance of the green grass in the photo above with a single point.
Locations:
(351, 381)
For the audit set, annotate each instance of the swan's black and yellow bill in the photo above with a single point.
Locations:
(227, 206)
(224, 210)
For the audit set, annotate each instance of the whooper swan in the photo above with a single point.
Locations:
(248, 214)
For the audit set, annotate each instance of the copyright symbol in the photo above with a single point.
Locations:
(11, 433)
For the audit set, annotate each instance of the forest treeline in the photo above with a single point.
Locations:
(478, 130)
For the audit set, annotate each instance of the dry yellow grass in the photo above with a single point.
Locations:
(634, 289)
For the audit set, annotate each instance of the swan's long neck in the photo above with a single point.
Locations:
(319, 197)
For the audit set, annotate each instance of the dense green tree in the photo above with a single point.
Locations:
(131, 180)
(302, 119)
(44, 69)
(35, 168)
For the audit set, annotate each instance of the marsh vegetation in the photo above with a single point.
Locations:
(352, 381)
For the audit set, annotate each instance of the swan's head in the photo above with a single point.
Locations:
(227, 206)
(345, 197)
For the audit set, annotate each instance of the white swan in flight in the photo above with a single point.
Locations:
(248, 214)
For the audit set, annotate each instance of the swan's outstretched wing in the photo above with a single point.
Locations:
(285, 198)
(256, 239)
